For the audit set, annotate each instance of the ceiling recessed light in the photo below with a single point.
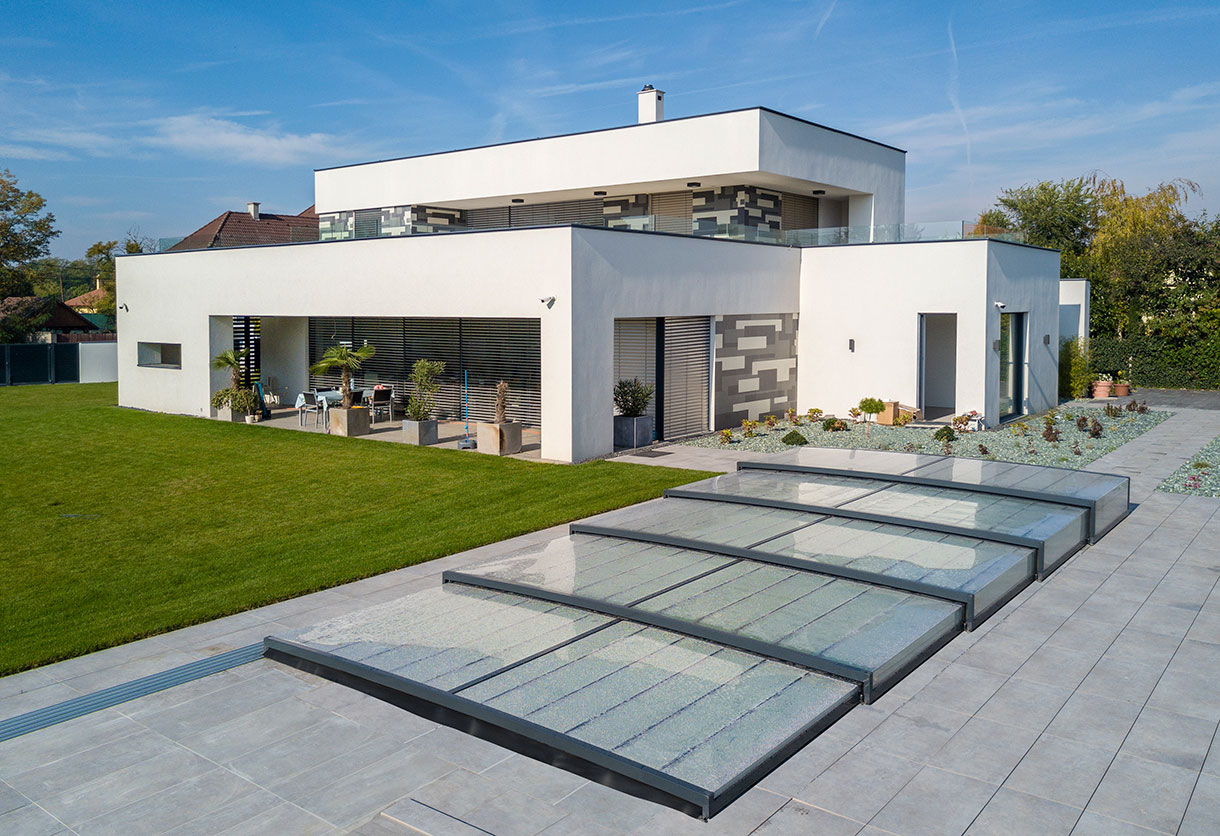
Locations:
(518, 200)
(819, 191)
(692, 185)
(599, 194)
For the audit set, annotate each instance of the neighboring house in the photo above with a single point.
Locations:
(744, 262)
(86, 304)
(250, 229)
(56, 322)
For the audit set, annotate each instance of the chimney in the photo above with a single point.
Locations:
(252, 207)
(652, 104)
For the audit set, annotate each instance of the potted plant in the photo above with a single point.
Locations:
(229, 360)
(632, 428)
(419, 427)
(500, 437)
(1101, 386)
(236, 405)
(345, 420)
(1122, 386)
(868, 408)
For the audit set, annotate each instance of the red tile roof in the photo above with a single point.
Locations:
(87, 300)
(238, 229)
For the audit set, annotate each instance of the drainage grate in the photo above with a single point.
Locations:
(87, 704)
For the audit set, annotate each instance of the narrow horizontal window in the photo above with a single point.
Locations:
(159, 355)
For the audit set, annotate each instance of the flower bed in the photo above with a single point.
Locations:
(1200, 476)
(1022, 441)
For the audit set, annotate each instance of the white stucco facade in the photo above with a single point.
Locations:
(777, 317)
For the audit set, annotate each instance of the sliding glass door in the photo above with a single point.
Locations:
(1012, 364)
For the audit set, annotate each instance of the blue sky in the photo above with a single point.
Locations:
(160, 116)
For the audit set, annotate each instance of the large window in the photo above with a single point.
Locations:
(159, 355)
(1012, 364)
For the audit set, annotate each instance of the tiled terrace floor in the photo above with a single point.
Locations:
(1089, 705)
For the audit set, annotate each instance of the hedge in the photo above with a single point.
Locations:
(1152, 361)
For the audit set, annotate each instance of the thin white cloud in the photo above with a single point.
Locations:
(825, 17)
(581, 87)
(223, 139)
(28, 152)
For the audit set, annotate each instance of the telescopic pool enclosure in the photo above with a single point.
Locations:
(683, 648)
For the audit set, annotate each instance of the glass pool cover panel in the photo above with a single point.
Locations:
(795, 615)
(690, 709)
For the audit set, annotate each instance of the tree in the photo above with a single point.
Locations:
(14, 283)
(22, 315)
(1061, 215)
(347, 360)
(424, 384)
(26, 229)
(231, 359)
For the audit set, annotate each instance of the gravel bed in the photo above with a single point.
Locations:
(1021, 441)
(1198, 477)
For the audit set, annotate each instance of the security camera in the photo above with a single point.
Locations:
(547, 300)
(1000, 305)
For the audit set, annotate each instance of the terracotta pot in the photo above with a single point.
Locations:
(1101, 389)
(1122, 390)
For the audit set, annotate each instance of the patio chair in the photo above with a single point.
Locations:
(312, 404)
(381, 400)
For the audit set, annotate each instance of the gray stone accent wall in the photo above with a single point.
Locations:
(744, 206)
(395, 220)
(755, 367)
(436, 216)
(333, 226)
(626, 212)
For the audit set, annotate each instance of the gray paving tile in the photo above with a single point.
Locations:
(59, 741)
(744, 815)
(1203, 811)
(409, 816)
(283, 818)
(797, 819)
(241, 809)
(314, 780)
(389, 720)
(30, 820)
(1057, 666)
(87, 683)
(218, 707)
(916, 731)
(985, 750)
(456, 793)
(81, 768)
(461, 749)
(1085, 636)
(1174, 739)
(1023, 702)
(10, 799)
(1152, 795)
(796, 773)
(366, 791)
(576, 825)
(275, 763)
(183, 802)
(1011, 813)
(1092, 824)
(1121, 680)
(961, 688)
(1061, 770)
(612, 809)
(1000, 653)
(1188, 690)
(19, 683)
(254, 730)
(179, 694)
(860, 783)
(512, 814)
(934, 803)
(23, 702)
(1095, 720)
(518, 773)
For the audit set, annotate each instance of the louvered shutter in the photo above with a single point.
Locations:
(635, 353)
(686, 375)
(798, 211)
(672, 211)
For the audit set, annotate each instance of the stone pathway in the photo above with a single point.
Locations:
(1089, 705)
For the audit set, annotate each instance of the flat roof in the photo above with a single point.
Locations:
(618, 128)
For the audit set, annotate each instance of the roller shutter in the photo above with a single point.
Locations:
(798, 211)
(686, 375)
(672, 211)
(635, 353)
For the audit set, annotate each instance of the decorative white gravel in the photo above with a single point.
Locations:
(1198, 477)
(1006, 443)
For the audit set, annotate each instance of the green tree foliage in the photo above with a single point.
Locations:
(347, 360)
(1060, 215)
(22, 315)
(26, 229)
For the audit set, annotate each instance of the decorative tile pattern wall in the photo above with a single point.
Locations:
(436, 216)
(755, 367)
(626, 212)
(751, 206)
(394, 220)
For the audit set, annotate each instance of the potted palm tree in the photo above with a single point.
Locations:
(500, 437)
(347, 419)
(632, 428)
(419, 426)
(230, 360)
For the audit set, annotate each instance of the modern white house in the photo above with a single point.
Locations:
(744, 262)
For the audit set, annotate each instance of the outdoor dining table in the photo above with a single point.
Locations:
(328, 398)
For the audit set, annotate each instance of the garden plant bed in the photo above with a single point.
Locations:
(1198, 477)
(1020, 441)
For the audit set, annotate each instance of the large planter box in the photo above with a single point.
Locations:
(888, 415)
(632, 432)
(227, 414)
(419, 433)
(348, 422)
(500, 439)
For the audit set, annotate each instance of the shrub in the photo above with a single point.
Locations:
(814, 415)
(1132, 406)
(983, 451)
(1082, 423)
(1076, 451)
(945, 434)
(871, 406)
(1095, 429)
(834, 425)
(1050, 433)
(242, 401)
(726, 436)
(854, 413)
(1142, 408)
(794, 438)
(1200, 465)
(1113, 411)
(770, 421)
(748, 427)
(423, 381)
(903, 418)
(1074, 373)
(793, 418)
(631, 397)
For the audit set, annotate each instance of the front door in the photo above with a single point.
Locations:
(1012, 364)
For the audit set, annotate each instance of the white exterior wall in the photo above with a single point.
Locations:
(99, 362)
(874, 295)
(1026, 280)
(1073, 308)
(594, 275)
(754, 146)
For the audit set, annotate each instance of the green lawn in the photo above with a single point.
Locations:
(118, 524)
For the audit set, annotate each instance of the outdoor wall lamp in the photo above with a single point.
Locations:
(851, 345)
(547, 300)
(818, 192)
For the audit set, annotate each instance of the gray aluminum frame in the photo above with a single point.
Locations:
(907, 478)
(1038, 546)
(451, 709)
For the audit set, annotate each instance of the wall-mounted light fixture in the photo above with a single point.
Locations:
(851, 345)
(599, 194)
(518, 200)
(995, 345)
(818, 192)
(693, 184)
(1046, 339)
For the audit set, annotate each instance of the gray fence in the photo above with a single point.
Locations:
(26, 363)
